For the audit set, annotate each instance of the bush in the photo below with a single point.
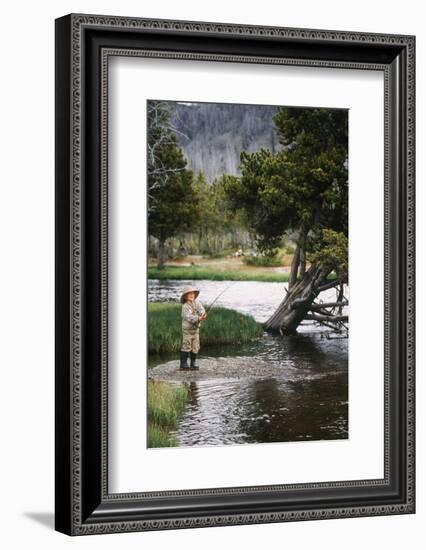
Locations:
(214, 256)
(263, 261)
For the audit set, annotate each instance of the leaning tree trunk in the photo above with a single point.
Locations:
(296, 305)
(294, 267)
(299, 305)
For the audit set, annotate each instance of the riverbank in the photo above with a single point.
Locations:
(222, 327)
(218, 368)
(232, 368)
(219, 269)
(199, 273)
(166, 403)
(197, 268)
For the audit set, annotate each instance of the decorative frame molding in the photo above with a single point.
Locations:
(84, 44)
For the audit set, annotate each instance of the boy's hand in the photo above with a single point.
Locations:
(202, 317)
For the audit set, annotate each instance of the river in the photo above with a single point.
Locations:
(306, 398)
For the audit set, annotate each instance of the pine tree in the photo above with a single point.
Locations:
(303, 189)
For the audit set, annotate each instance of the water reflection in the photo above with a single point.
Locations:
(267, 411)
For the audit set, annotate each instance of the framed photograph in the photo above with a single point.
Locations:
(234, 274)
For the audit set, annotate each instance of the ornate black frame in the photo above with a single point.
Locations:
(83, 45)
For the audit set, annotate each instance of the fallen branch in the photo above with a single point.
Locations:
(315, 307)
(324, 312)
(331, 319)
(333, 327)
(331, 284)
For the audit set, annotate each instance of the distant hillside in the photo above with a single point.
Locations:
(212, 135)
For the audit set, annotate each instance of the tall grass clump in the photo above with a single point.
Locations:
(166, 403)
(222, 326)
(164, 327)
(225, 326)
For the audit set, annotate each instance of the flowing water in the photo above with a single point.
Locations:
(305, 399)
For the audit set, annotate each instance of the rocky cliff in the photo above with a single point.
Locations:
(212, 135)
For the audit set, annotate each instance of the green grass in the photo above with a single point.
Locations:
(173, 273)
(166, 403)
(211, 274)
(160, 438)
(222, 326)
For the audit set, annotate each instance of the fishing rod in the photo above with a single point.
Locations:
(218, 296)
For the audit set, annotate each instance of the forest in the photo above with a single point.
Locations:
(282, 216)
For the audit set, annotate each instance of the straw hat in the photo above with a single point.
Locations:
(187, 289)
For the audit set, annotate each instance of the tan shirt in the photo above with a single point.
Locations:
(190, 313)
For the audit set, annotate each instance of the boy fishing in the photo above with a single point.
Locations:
(192, 314)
